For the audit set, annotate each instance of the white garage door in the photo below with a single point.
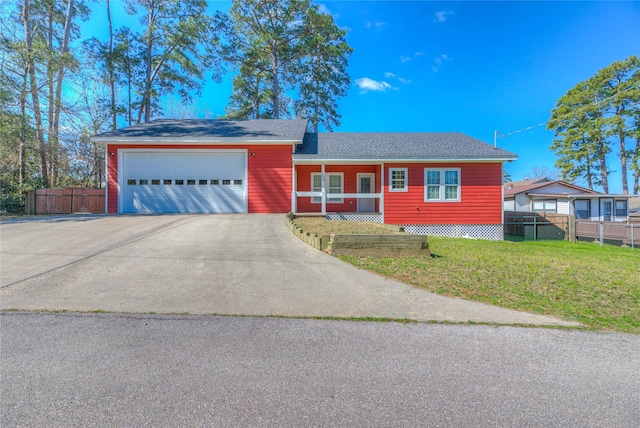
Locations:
(184, 182)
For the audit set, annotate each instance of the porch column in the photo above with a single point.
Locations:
(381, 200)
(324, 192)
(294, 186)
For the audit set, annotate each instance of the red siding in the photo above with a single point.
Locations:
(481, 196)
(269, 174)
(303, 174)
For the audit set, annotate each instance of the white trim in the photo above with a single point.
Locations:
(106, 179)
(294, 189)
(121, 167)
(381, 208)
(357, 161)
(372, 188)
(183, 140)
(406, 179)
(328, 197)
(442, 185)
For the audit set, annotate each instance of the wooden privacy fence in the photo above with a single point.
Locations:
(606, 232)
(65, 201)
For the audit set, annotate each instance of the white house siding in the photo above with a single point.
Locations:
(509, 205)
(563, 207)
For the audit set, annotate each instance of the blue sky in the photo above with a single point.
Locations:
(471, 66)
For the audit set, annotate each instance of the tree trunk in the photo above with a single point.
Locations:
(50, 99)
(37, 113)
(112, 84)
(588, 169)
(147, 80)
(64, 49)
(623, 162)
(603, 165)
(276, 84)
(23, 127)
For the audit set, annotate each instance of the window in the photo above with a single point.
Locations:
(441, 185)
(582, 211)
(621, 208)
(203, 182)
(166, 182)
(179, 182)
(226, 182)
(333, 183)
(215, 182)
(155, 182)
(398, 180)
(191, 182)
(131, 182)
(237, 182)
(548, 206)
(144, 182)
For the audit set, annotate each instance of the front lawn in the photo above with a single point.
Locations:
(597, 286)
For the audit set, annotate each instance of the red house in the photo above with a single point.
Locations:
(433, 183)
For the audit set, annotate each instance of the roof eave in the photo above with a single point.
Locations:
(313, 159)
(179, 140)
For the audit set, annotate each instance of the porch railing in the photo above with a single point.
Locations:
(326, 196)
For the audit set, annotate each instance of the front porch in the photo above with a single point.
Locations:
(339, 192)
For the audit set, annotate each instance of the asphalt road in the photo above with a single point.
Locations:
(159, 370)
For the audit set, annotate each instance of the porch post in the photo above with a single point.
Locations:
(324, 191)
(381, 201)
(294, 185)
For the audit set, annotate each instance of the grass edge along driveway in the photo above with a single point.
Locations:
(597, 286)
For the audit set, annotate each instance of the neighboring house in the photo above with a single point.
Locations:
(435, 183)
(547, 196)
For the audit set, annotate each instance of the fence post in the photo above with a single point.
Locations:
(601, 234)
(535, 229)
(632, 240)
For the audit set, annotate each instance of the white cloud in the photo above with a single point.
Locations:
(390, 75)
(375, 24)
(365, 84)
(409, 58)
(442, 15)
(438, 61)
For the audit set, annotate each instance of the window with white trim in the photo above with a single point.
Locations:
(621, 208)
(334, 183)
(582, 210)
(547, 206)
(442, 184)
(398, 179)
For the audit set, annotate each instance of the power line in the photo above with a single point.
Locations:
(496, 133)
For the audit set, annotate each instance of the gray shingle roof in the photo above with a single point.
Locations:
(209, 129)
(391, 146)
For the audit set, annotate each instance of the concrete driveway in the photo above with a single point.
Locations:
(205, 264)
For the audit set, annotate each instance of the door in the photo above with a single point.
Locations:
(165, 181)
(607, 208)
(366, 184)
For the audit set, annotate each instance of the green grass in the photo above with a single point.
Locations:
(597, 286)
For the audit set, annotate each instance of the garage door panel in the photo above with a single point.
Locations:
(181, 182)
